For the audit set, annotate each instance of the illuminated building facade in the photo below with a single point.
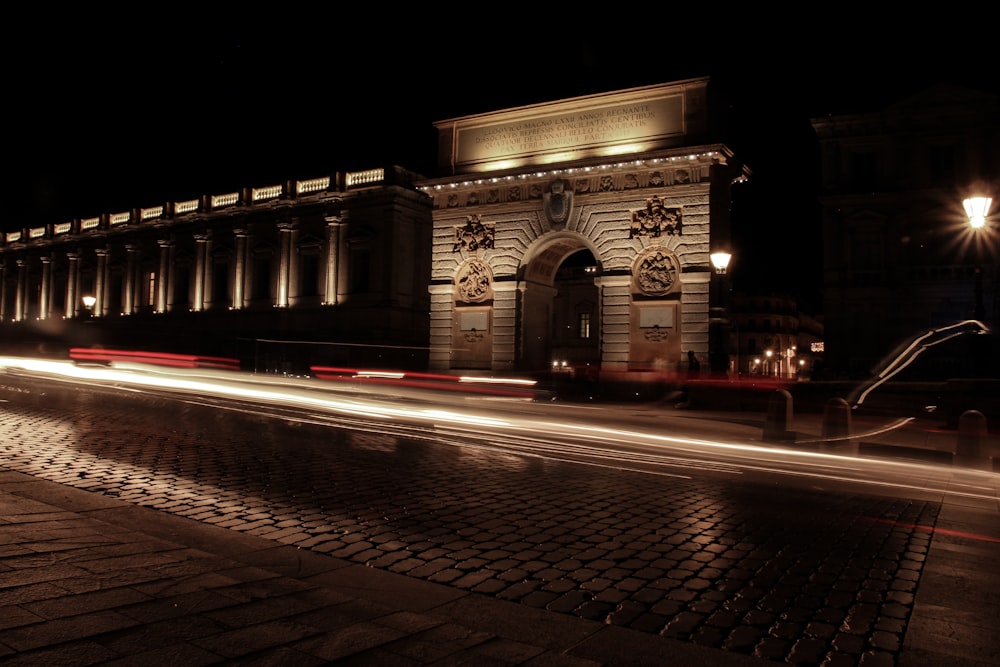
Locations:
(324, 271)
(574, 233)
(579, 233)
(900, 257)
(772, 337)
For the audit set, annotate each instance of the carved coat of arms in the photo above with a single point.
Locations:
(558, 203)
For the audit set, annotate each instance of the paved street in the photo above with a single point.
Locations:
(777, 572)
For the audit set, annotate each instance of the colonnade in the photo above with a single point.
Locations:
(51, 282)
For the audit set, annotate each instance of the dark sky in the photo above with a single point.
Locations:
(110, 112)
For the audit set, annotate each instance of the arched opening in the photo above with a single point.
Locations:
(575, 325)
(561, 309)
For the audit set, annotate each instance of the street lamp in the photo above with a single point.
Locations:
(720, 260)
(718, 354)
(88, 304)
(977, 208)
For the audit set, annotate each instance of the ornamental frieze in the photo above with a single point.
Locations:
(473, 281)
(655, 334)
(473, 235)
(656, 273)
(658, 178)
(656, 220)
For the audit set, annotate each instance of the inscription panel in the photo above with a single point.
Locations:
(626, 122)
(587, 128)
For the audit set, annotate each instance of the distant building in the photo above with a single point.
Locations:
(771, 337)
(900, 257)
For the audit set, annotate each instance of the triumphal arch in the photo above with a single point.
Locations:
(578, 233)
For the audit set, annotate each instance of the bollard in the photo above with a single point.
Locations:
(837, 422)
(970, 450)
(779, 415)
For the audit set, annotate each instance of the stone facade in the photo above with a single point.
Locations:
(649, 216)
(572, 233)
(328, 271)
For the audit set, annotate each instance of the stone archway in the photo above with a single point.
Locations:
(625, 175)
(559, 313)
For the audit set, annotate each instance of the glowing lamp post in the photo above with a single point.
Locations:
(720, 260)
(718, 354)
(88, 304)
(977, 208)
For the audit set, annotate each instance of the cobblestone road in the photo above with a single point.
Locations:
(808, 578)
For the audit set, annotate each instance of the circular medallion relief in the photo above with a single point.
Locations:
(473, 281)
(656, 272)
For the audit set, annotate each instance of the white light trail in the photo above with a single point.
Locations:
(651, 451)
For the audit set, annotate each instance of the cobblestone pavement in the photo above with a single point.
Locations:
(810, 578)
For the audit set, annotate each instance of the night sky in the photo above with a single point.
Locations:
(110, 112)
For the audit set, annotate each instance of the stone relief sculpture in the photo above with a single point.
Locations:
(558, 203)
(656, 273)
(473, 235)
(605, 183)
(655, 334)
(656, 220)
(474, 281)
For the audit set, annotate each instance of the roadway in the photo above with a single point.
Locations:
(682, 528)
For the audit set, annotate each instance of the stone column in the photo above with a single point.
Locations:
(334, 228)
(240, 268)
(200, 268)
(128, 295)
(43, 297)
(72, 285)
(165, 276)
(22, 287)
(207, 288)
(286, 248)
(101, 283)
